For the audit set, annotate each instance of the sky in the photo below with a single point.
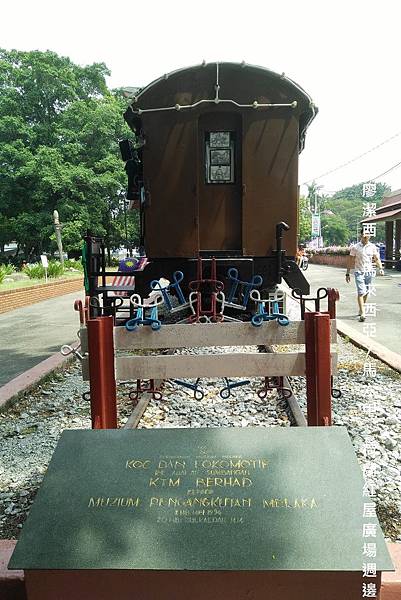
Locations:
(345, 54)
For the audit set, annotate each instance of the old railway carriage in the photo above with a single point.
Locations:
(216, 170)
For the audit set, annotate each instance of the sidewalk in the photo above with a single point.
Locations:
(31, 334)
(385, 326)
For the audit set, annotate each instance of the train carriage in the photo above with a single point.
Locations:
(215, 170)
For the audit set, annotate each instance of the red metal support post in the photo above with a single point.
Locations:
(310, 368)
(78, 307)
(103, 391)
(318, 368)
(333, 296)
(323, 368)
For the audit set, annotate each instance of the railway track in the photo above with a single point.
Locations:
(287, 400)
(31, 427)
(292, 407)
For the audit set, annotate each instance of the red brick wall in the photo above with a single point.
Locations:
(11, 299)
(333, 260)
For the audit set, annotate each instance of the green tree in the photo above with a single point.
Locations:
(355, 193)
(334, 230)
(314, 196)
(59, 127)
(348, 204)
(305, 220)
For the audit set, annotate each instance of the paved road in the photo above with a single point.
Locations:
(387, 299)
(30, 334)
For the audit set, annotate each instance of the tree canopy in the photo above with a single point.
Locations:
(348, 205)
(59, 132)
(305, 220)
(59, 128)
(341, 213)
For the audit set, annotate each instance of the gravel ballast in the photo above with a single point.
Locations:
(30, 429)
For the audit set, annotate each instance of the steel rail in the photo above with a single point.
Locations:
(139, 410)
(292, 401)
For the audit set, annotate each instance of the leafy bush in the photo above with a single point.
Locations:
(73, 264)
(2, 273)
(336, 250)
(55, 269)
(34, 271)
(8, 269)
(37, 271)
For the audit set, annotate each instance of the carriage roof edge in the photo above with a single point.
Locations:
(306, 114)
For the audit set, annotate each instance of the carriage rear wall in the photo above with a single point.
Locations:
(185, 215)
(174, 173)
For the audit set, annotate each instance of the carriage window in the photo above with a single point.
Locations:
(219, 159)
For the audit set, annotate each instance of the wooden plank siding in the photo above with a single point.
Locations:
(210, 365)
(244, 364)
(214, 334)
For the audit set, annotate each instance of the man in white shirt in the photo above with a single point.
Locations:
(361, 256)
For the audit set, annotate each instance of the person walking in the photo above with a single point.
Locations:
(360, 258)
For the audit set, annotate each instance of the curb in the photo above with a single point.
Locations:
(15, 388)
(390, 358)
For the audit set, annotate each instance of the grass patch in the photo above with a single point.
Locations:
(14, 285)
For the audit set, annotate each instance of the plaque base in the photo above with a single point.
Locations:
(196, 585)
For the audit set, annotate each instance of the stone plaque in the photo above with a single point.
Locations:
(251, 499)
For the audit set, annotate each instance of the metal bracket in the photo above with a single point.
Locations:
(178, 277)
(272, 313)
(320, 294)
(201, 287)
(335, 392)
(140, 312)
(83, 311)
(274, 383)
(244, 286)
(225, 392)
(199, 394)
(143, 389)
(206, 316)
(67, 350)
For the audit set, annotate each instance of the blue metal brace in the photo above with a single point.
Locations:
(225, 392)
(246, 286)
(178, 276)
(140, 314)
(272, 314)
(199, 394)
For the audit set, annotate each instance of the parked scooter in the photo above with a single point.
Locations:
(303, 262)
